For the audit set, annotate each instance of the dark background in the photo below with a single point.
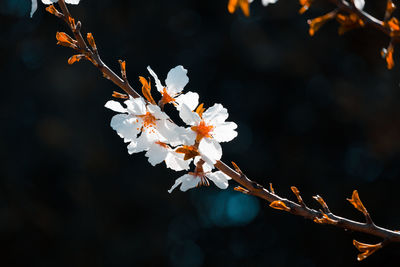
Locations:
(321, 113)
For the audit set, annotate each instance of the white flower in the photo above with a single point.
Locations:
(142, 125)
(176, 80)
(192, 180)
(211, 129)
(49, 2)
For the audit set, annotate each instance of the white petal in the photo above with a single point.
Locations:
(156, 154)
(170, 132)
(215, 115)
(142, 143)
(359, 4)
(136, 106)
(266, 2)
(34, 7)
(156, 111)
(219, 178)
(186, 136)
(74, 2)
(210, 150)
(176, 162)
(176, 80)
(158, 83)
(189, 117)
(49, 2)
(225, 132)
(186, 181)
(190, 99)
(115, 106)
(126, 126)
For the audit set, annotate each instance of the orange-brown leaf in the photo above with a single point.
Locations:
(200, 110)
(317, 23)
(91, 41)
(146, 88)
(393, 24)
(325, 220)
(279, 205)
(123, 68)
(52, 10)
(241, 189)
(356, 202)
(75, 58)
(365, 249)
(243, 4)
(65, 40)
(189, 151)
(390, 7)
(348, 22)
(119, 95)
(305, 5)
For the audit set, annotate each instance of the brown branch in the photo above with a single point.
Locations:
(93, 54)
(303, 211)
(367, 18)
(248, 186)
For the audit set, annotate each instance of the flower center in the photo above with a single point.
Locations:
(202, 130)
(166, 98)
(148, 120)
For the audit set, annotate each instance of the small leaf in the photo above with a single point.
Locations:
(325, 219)
(243, 4)
(91, 41)
(65, 40)
(200, 110)
(356, 202)
(75, 58)
(146, 88)
(241, 189)
(189, 151)
(317, 23)
(305, 5)
(279, 205)
(52, 10)
(366, 249)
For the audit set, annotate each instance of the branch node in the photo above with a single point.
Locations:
(356, 202)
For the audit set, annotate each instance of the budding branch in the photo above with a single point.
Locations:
(248, 186)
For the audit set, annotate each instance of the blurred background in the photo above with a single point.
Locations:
(321, 113)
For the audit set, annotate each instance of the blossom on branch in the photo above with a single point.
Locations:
(210, 128)
(49, 2)
(147, 128)
(176, 80)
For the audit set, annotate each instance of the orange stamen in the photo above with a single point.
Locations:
(148, 120)
(166, 98)
(202, 130)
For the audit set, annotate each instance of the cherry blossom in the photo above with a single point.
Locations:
(147, 128)
(176, 80)
(194, 179)
(49, 2)
(211, 129)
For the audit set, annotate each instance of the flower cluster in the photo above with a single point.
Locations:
(143, 124)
